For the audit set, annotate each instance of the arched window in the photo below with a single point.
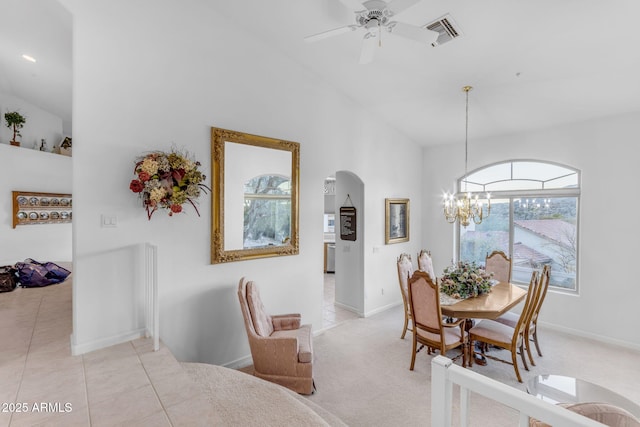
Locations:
(267, 211)
(534, 219)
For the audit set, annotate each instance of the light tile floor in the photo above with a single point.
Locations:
(333, 315)
(127, 384)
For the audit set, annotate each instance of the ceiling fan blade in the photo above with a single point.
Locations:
(397, 6)
(330, 33)
(353, 4)
(368, 48)
(413, 32)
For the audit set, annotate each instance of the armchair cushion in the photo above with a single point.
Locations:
(283, 322)
(303, 336)
(261, 320)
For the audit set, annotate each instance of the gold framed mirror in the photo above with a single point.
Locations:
(254, 212)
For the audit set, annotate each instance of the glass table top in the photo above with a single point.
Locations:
(562, 389)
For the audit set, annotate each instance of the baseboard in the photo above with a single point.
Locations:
(239, 363)
(381, 309)
(78, 349)
(348, 308)
(595, 337)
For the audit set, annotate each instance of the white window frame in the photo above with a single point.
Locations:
(511, 195)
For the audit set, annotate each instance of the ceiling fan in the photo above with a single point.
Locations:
(377, 16)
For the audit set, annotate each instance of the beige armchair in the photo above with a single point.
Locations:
(281, 348)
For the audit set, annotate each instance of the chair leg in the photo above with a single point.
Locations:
(527, 343)
(413, 352)
(470, 362)
(406, 323)
(514, 359)
(535, 340)
(524, 360)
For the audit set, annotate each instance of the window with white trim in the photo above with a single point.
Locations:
(534, 219)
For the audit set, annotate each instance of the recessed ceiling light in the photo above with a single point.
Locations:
(29, 58)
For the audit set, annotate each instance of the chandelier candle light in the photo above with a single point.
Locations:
(465, 207)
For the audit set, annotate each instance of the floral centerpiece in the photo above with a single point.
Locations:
(465, 280)
(167, 181)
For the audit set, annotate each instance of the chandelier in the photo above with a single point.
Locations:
(464, 207)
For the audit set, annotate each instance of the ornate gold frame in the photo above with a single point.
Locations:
(388, 238)
(218, 138)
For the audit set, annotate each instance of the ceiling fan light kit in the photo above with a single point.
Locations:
(375, 17)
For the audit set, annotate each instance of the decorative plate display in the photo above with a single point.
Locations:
(36, 208)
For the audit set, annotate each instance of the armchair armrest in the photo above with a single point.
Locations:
(285, 322)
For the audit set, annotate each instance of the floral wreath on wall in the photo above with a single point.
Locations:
(168, 181)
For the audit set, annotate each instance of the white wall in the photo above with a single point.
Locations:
(39, 124)
(169, 79)
(605, 152)
(29, 170)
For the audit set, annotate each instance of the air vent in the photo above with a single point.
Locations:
(446, 27)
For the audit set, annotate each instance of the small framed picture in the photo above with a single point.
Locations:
(396, 221)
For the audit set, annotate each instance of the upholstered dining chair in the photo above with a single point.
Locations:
(500, 335)
(498, 263)
(281, 347)
(531, 330)
(425, 263)
(429, 329)
(405, 270)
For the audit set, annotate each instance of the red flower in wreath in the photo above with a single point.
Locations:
(176, 208)
(136, 186)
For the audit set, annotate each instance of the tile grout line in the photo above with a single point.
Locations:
(152, 385)
(86, 388)
(24, 367)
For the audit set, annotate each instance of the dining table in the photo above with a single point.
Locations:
(491, 305)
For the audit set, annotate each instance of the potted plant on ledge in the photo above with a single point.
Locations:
(16, 121)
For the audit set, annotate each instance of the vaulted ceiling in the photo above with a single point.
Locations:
(533, 64)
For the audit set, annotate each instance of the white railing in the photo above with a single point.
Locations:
(444, 373)
(152, 312)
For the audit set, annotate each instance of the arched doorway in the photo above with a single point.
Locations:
(344, 259)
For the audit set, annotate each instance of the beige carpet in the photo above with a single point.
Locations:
(361, 370)
(244, 400)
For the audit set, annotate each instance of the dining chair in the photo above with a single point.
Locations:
(509, 338)
(405, 270)
(425, 263)
(531, 331)
(429, 328)
(499, 264)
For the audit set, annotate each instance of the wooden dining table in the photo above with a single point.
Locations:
(502, 298)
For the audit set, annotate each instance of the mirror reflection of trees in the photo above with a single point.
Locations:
(267, 211)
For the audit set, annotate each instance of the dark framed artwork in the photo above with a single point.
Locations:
(396, 221)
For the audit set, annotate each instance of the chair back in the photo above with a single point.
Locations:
(544, 286)
(499, 264)
(527, 309)
(425, 263)
(405, 270)
(424, 299)
(257, 320)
